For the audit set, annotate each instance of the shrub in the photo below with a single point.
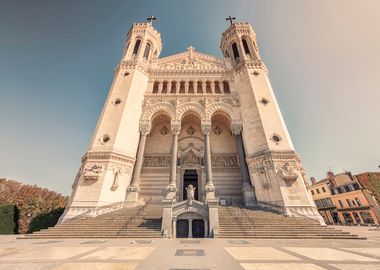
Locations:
(45, 220)
(8, 219)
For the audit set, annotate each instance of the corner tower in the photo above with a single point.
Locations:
(107, 167)
(274, 167)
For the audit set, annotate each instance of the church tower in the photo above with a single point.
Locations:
(275, 168)
(107, 167)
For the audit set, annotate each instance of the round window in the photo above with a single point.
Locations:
(264, 101)
(117, 101)
(104, 139)
(276, 138)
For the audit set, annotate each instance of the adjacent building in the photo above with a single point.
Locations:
(344, 199)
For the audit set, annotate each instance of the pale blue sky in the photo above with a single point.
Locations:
(57, 60)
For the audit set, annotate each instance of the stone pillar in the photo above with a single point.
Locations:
(133, 189)
(160, 84)
(212, 84)
(169, 87)
(187, 87)
(248, 190)
(174, 228)
(206, 229)
(210, 189)
(204, 87)
(190, 228)
(178, 87)
(171, 188)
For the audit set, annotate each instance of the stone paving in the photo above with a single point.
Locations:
(200, 254)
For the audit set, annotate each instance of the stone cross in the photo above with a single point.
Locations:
(151, 19)
(230, 19)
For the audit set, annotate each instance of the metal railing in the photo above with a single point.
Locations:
(132, 218)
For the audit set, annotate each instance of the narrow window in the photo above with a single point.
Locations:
(317, 190)
(147, 50)
(323, 189)
(246, 48)
(358, 201)
(226, 87)
(340, 203)
(137, 46)
(235, 51)
(349, 202)
(155, 88)
(312, 192)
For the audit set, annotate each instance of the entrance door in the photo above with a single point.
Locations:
(198, 227)
(190, 178)
(182, 228)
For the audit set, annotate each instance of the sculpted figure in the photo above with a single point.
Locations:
(190, 192)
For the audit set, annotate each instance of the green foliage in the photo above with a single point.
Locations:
(8, 219)
(45, 220)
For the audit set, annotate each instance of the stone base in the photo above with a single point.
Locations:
(132, 196)
(210, 192)
(171, 192)
(249, 195)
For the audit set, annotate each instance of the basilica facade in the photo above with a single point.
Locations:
(190, 132)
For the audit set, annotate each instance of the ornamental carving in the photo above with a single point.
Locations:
(287, 171)
(157, 161)
(92, 171)
(164, 130)
(224, 161)
(190, 131)
(217, 130)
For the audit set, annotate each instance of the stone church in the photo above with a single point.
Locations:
(190, 133)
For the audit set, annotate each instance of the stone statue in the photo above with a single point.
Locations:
(190, 192)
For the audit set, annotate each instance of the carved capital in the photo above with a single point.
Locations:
(145, 129)
(206, 128)
(236, 129)
(176, 128)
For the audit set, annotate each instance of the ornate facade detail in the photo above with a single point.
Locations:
(164, 130)
(157, 161)
(195, 207)
(217, 130)
(190, 131)
(117, 171)
(287, 171)
(224, 161)
(100, 156)
(92, 171)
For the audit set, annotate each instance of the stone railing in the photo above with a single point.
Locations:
(287, 211)
(97, 211)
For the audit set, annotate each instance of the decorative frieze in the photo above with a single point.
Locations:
(156, 161)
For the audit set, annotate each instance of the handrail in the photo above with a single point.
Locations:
(134, 216)
(97, 211)
(241, 210)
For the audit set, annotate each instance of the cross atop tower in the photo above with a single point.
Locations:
(230, 19)
(151, 19)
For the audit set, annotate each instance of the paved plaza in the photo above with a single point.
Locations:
(171, 254)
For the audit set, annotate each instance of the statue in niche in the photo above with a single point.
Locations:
(190, 191)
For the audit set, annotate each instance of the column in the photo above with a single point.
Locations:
(210, 189)
(173, 174)
(248, 190)
(169, 87)
(204, 87)
(171, 188)
(187, 87)
(133, 188)
(190, 228)
(212, 87)
(174, 229)
(206, 229)
(160, 84)
(178, 87)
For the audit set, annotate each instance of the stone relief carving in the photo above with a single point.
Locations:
(217, 130)
(191, 159)
(164, 130)
(287, 172)
(117, 173)
(92, 171)
(157, 161)
(190, 131)
(224, 161)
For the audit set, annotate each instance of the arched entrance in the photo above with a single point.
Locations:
(191, 226)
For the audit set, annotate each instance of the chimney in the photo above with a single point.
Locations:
(312, 179)
(331, 178)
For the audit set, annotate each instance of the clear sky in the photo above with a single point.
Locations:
(57, 60)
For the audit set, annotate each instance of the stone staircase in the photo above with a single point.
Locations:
(138, 222)
(240, 222)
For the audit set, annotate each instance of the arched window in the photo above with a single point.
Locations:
(235, 51)
(227, 54)
(199, 88)
(226, 87)
(191, 88)
(137, 46)
(217, 88)
(246, 48)
(155, 88)
(174, 87)
(147, 50)
(208, 88)
(182, 87)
